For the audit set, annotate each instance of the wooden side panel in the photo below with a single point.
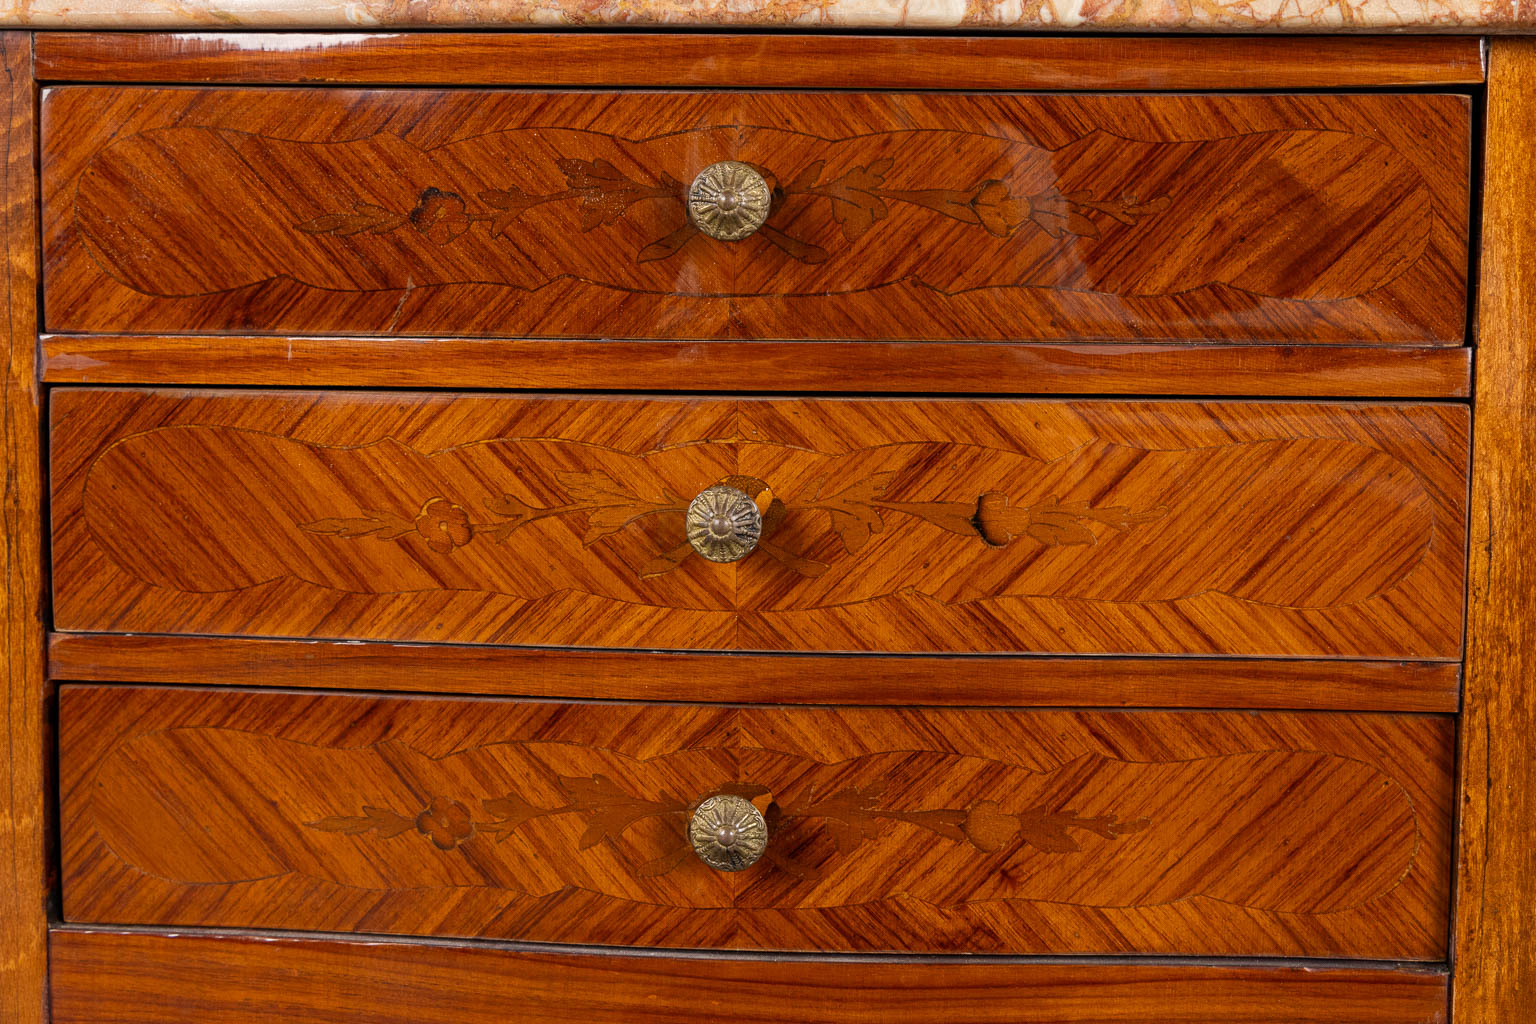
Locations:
(1220, 833)
(895, 216)
(901, 526)
(102, 977)
(1496, 912)
(585, 60)
(23, 883)
(1303, 371)
(1317, 684)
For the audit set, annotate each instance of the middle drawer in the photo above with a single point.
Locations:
(1076, 527)
(918, 830)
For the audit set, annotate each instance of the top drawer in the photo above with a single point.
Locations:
(1325, 218)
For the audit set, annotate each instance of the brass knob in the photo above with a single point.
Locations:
(728, 833)
(729, 200)
(723, 524)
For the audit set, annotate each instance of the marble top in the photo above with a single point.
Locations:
(1094, 15)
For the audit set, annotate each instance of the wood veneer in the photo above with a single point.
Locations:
(927, 216)
(780, 61)
(890, 830)
(932, 526)
(772, 679)
(1496, 912)
(1303, 371)
(107, 977)
(24, 882)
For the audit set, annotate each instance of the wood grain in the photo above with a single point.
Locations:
(779, 61)
(1335, 371)
(897, 216)
(106, 977)
(23, 876)
(773, 679)
(890, 830)
(1495, 916)
(899, 526)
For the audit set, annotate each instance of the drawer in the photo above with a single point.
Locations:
(1077, 527)
(1244, 217)
(1199, 833)
(121, 978)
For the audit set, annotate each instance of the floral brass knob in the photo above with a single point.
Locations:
(723, 524)
(728, 833)
(729, 200)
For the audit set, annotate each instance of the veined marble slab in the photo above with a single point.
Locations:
(1100, 15)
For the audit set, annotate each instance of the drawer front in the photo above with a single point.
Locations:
(103, 977)
(1200, 833)
(895, 216)
(1071, 527)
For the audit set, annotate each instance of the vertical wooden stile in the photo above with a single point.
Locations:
(1495, 941)
(22, 874)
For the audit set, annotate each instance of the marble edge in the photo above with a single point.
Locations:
(1289, 16)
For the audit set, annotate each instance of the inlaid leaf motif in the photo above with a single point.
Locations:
(381, 820)
(1050, 830)
(997, 211)
(364, 217)
(853, 512)
(609, 809)
(508, 812)
(384, 525)
(667, 245)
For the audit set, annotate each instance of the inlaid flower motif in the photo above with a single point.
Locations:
(989, 827)
(444, 525)
(440, 215)
(446, 822)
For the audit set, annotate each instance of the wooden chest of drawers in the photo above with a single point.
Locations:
(632, 540)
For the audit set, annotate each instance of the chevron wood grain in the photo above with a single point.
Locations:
(1242, 217)
(1070, 527)
(899, 830)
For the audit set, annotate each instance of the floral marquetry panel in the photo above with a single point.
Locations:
(884, 215)
(1045, 526)
(1201, 833)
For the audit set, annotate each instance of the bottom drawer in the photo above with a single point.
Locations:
(106, 978)
(905, 830)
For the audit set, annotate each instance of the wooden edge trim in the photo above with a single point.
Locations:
(24, 882)
(754, 60)
(1360, 371)
(1495, 918)
(722, 60)
(170, 978)
(759, 678)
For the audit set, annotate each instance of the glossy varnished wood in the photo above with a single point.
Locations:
(779, 61)
(1496, 909)
(890, 830)
(772, 679)
(105, 977)
(1237, 528)
(23, 881)
(897, 216)
(1362, 371)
